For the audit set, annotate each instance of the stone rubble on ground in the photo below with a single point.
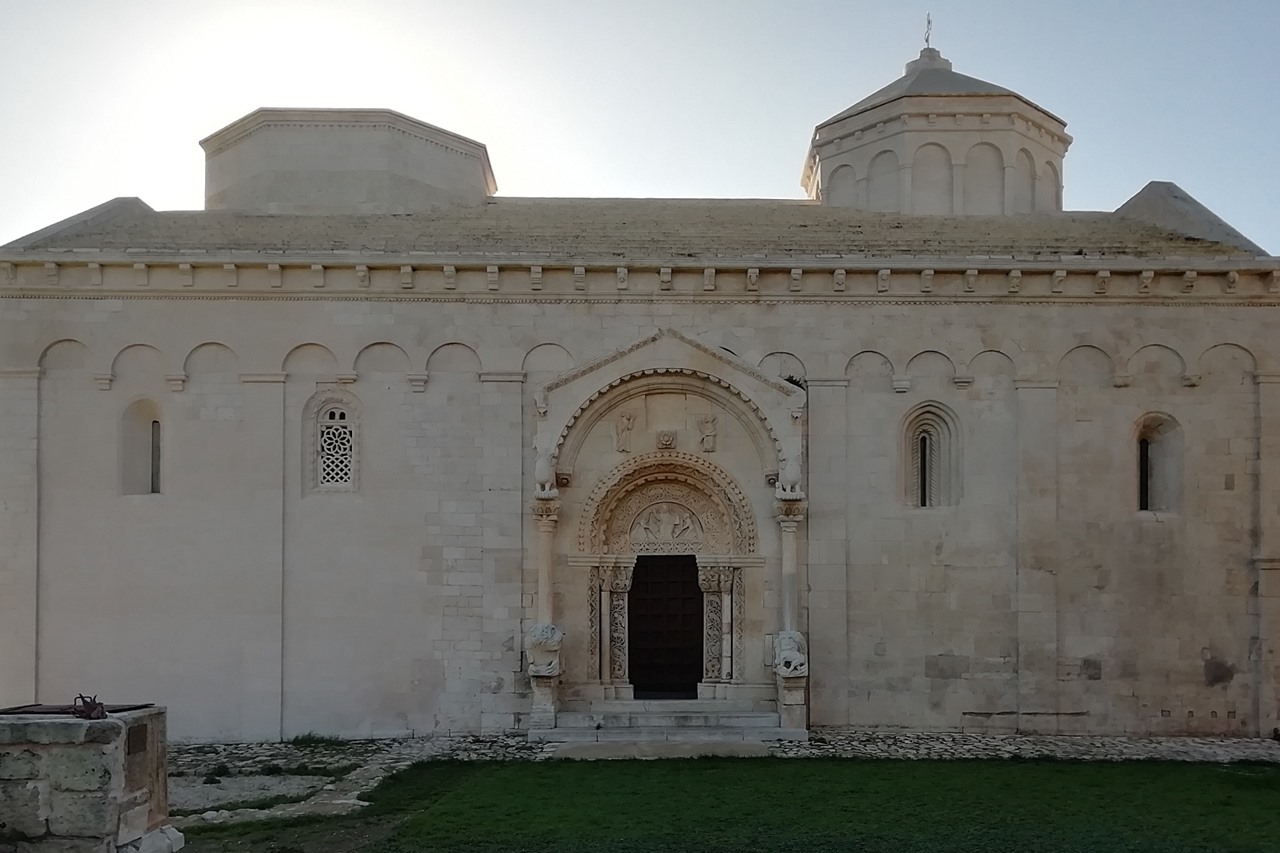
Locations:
(378, 759)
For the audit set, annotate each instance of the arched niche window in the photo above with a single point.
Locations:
(332, 442)
(1159, 464)
(931, 456)
(141, 434)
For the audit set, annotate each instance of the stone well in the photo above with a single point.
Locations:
(84, 786)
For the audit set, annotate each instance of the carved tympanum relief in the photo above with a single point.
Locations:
(666, 439)
(641, 507)
(666, 528)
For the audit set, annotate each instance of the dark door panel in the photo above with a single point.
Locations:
(665, 627)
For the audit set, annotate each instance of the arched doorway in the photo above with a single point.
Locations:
(665, 539)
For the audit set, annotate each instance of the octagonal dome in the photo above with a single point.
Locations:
(938, 142)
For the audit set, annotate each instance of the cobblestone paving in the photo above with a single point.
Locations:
(824, 743)
(374, 760)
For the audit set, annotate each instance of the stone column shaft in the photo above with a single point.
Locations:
(790, 616)
(546, 515)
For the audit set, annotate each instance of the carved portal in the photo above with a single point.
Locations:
(666, 502)
(684, 480)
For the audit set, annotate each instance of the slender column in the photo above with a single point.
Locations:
(790, 514)
(712, 624)
(543, 640)
(546, 514)
(725, 595)
(1267, 561)
(957, 188)
(614, 653)
(19, 417)
(1035, 579)
(791, 650)
(1009, 176)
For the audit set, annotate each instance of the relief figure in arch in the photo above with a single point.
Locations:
(622, 432)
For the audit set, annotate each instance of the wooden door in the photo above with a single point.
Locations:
(665, 627)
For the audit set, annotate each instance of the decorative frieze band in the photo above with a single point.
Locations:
(1226, 280)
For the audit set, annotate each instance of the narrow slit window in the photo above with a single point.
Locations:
(1160, 463)
(923, 474)
(931, 458)
(140, 449)
(1144, 474)
(155, 457)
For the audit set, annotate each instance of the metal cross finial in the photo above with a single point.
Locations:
(928, 27)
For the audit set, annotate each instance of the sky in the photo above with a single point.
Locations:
(659, 98)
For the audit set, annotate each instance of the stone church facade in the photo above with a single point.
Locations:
(363, 449)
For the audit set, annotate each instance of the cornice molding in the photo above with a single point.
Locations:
(1229, 282)
(854, 300)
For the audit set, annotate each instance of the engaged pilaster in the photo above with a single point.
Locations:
(1035, 581)
(1267, 561)
(19, 415)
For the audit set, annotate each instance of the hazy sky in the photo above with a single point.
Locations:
(716, 98)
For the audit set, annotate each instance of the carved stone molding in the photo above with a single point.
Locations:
(721, 617)
(667, 502)
(608, 583)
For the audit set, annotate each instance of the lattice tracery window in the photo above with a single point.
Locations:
(336, 440)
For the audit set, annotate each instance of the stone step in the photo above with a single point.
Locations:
(671, 706)
(698, 734)
(667, 720)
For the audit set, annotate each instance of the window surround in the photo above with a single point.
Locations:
(329, 414)
(931, 457)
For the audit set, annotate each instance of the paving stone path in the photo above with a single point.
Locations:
(374, 760)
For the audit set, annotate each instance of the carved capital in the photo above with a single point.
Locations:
(715, 579)
(790, 512)
(546, 511)
(618, 578)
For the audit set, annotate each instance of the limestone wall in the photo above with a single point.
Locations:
(254, 606)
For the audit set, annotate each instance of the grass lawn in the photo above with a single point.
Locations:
(793, 805)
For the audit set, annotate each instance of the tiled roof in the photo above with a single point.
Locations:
(688, 229)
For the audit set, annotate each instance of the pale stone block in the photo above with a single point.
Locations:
(79, 768)
(19, 764)
(89, 815)
(24, 808)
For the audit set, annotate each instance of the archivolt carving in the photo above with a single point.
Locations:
(667, 502)
(669, 379)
